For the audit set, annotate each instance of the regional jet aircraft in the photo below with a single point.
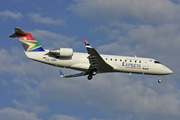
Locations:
(90, 63)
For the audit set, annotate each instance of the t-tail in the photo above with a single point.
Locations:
(28, 42)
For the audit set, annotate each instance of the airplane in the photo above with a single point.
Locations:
(90, 63)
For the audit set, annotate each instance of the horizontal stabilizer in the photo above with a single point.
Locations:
(75, 75)
(18, 32)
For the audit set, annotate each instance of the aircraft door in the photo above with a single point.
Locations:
(145, 65)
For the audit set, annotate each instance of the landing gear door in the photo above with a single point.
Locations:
(145, 64)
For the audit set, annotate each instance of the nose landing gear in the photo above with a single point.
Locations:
(159, 81)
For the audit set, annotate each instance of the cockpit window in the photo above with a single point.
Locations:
(157, 62)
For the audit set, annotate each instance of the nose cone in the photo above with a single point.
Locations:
(168, 71)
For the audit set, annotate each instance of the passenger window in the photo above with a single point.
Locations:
(106, 59)
(130, 60)
(125, 60)
(115, 59)
(111, 59)
(135, 61)
(120, 60)
(139, 61)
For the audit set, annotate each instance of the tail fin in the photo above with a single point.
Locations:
(27, 41)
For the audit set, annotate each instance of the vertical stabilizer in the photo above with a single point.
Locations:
(27, 41)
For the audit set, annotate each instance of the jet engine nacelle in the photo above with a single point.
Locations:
(62, 52)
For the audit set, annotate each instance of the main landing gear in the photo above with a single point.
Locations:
(159, 81)
(90, 77)
(91, 74)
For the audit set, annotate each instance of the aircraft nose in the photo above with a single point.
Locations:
(166, 70)
(169, 71)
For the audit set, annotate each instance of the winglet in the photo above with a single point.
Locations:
(61, 73)
(86, 42)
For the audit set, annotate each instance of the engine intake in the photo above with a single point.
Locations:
(62, 52)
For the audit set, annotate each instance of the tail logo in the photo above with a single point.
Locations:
(27, 41)
(30, 45)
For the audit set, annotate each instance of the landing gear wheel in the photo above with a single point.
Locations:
(94, 72)
(159, 81)
(89, 77)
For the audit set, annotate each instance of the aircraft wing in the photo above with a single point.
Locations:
(75, 75)
(95, 60)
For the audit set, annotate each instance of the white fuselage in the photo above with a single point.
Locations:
(80, 61)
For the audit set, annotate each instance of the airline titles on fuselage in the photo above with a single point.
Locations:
(132, 65)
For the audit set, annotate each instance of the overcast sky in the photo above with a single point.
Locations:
(34, 91)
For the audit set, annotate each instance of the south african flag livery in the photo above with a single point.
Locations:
(29, 43)
(86, 42)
